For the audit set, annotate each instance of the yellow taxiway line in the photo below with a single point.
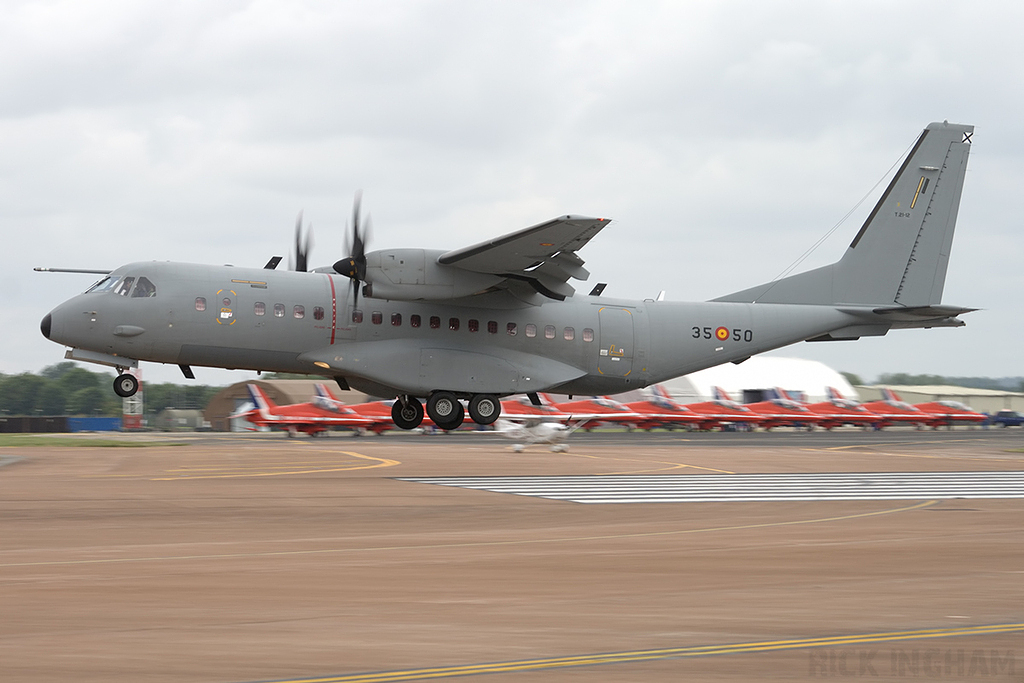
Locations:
(665, 653)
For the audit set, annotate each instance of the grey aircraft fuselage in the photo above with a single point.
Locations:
(287, 321)
(499, 317)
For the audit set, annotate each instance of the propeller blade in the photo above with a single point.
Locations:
(301, 252)
(354, 266)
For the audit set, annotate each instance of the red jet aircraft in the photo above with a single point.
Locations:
(839, 411)
(595, 411)
(893, 411)
(777, 412)
(661, 411)
(948, 413)
(720, 411)
(307, 418)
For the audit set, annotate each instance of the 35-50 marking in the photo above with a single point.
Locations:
(723, 333)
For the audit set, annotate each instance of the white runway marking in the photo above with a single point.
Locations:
(676, 488)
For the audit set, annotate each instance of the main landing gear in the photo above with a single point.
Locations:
(445, 410)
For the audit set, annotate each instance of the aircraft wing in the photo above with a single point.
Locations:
(544, 254)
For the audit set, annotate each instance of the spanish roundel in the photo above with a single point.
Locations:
(722, 334)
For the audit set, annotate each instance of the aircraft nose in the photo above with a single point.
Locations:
(46, 324)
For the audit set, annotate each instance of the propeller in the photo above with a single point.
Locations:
(354, 266)
(302, 249)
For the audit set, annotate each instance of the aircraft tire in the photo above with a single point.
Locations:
(455, 422)
(484, 409)
(408, 416)
(126, 385)
(442, 406)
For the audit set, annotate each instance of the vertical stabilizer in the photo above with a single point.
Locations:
(900, 254)
(262, 402)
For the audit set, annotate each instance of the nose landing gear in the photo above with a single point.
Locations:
(126, 385)
(407, 412)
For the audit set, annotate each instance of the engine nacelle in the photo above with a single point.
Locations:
(415, 274)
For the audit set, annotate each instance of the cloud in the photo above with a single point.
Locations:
(723, 138)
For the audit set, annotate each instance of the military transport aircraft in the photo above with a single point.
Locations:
(500, 318)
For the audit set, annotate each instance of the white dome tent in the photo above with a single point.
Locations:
(809, 377)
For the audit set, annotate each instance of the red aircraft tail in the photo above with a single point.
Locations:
(259, 398)
(891, 395)
(720, 394)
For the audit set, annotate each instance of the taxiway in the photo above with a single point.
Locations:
(256, 558)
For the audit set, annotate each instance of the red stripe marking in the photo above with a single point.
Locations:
(334, 308)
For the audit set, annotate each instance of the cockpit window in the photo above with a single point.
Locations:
(104, 285)
(144, 289)
(124, 286)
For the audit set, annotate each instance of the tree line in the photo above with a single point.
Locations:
(66, 389)
(904, 379)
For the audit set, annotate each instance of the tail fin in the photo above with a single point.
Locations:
(834, 394)
(899, 257)
(661, 392)
(720, 394)
(260, 400)
(891, 395)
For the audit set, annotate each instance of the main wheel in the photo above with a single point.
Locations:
(442, 406)
(407, 415)
(456, 420)
(126, 385)
(484, 409)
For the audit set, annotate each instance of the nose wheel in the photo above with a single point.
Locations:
(126, 385)
(407, 412)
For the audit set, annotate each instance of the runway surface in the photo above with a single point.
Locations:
(261, 558)
(670, 488)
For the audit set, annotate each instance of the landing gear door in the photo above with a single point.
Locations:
(616, 339)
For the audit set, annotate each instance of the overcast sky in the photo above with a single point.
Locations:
(723, 138)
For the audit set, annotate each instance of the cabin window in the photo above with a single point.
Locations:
(492, 327)
(200, 303)
(549, 331)
(453, 324)
(357, 315)
(569, 334)
(278, 310)
(414, 320)
(435, 322)
(531, 330)
(511, 329)
(376, 317)
(588, 334)
(396, 319)
(318, 313)
(144, 289)
(259, 308)
(473, 325)
(225, 302)
(124, 286)
(299, 311)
